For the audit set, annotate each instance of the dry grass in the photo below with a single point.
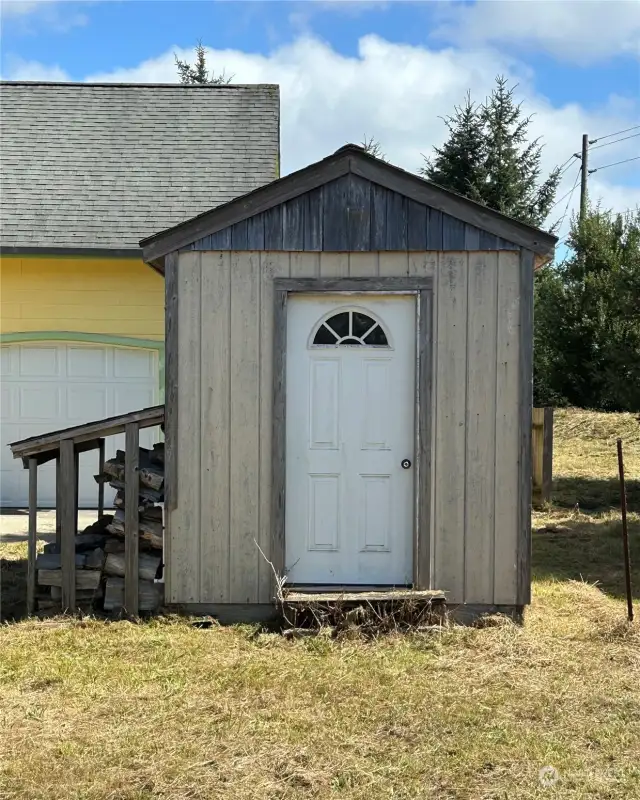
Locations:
(95, 711)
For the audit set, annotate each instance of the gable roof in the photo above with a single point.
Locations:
(348, 159)
(98, 166)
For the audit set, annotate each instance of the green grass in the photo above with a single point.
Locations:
(116, 711)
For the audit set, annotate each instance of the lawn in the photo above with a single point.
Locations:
(97, 711)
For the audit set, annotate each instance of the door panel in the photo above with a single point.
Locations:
(350, 423)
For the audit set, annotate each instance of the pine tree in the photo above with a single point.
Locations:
(374, 148)
(199, 72)
(587, 317)
(488, 158)
(460, 163)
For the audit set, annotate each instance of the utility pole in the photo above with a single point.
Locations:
(585, 172)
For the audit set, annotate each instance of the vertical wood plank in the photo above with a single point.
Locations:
(507, 442)
(101, 484)
(363, 265)
(424, 265)
(434, 229)
(527, 262)
(245, 438)
(452, 233)
(58, 502)
(131, 516)
(255, 232)
(76, 494)
(32, 535)
(547, 448)
(170, 410)
(335, 200)
(488, 241)
(471, 237)
(359, 213)
(272, 265)
(537, 455)
(451, 373)
(215, 368)
(416, 226)
(278, 471)
(239, 235)
(201, 244)
(293, 223)
(68, 524)
(273, 229)
(396, 238)
(335, 265)
(221, 240)
(314, 212)
(184, 566)
(305, 265)
(392, 263)
(481, 427)
(378, 217)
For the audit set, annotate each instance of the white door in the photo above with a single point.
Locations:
(48, 386)
(349, 428)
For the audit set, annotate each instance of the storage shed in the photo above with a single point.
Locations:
(348, 392)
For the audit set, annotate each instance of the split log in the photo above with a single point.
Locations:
(54, 561)
(95, 559)
(151, 475)
(82, 594)
(85, 578)
(147, 565)
(145, 495)
(150, 529)
(89, 541)
(157, 454)
(149, 595)
(114, 546)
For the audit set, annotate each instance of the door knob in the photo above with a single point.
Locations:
(405, 463)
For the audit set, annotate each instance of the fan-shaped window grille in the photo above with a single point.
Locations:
(350, 328)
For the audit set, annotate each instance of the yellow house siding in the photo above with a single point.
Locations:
(116, 297)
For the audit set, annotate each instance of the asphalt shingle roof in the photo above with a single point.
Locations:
(104, 165)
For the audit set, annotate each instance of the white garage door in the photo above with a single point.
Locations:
(48, 386)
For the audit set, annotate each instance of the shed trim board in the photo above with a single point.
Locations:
(351, 161)
(422, 288)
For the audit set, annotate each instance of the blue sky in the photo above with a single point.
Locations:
(387, 69)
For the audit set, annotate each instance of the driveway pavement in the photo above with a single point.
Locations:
(14, 524)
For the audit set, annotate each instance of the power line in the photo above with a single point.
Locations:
(566, 208)
(608, 144)
(563, 197)
(566, 164)
(617, 133)
(615, 164)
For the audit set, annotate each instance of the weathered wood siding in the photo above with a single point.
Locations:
(352, 214)
(223, 505)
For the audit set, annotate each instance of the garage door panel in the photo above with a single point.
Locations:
(37, 403)
(89, 362)
(133, 364)
(39, 362)
(86, 402)
(128, 398)
(50, 387)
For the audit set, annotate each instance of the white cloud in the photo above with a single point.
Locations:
(52, 14)
(22, 70)
(582, 31)
(397, 93)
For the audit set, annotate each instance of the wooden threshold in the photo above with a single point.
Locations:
(366, 596)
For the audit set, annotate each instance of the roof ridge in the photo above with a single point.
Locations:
(103, 84)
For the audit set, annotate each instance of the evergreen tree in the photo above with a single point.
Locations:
(374, 148)
(199, 72)
(488, 158)
(587, 317)
(459, 164)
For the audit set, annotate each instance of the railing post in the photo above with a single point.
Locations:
(542, 454)
(68, 512)
(101, 483)
(33, 528)
(131, 518)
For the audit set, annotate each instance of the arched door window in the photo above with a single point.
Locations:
(350, 328)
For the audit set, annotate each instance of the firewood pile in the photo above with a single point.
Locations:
(100, 559)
